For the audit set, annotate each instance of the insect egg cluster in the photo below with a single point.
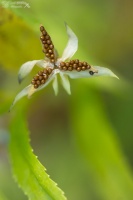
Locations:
(41, 77)
(74, 65)
(48, 47)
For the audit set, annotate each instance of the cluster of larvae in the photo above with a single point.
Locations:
(48, 47)
(41, 77)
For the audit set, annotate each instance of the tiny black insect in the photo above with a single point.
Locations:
(91, 72)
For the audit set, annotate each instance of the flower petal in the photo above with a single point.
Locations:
(21, 94)
(65, 82)
(72, 45)
(55, 85)
(96, 71)
(26, 68)
(75, 74)
(102, 71)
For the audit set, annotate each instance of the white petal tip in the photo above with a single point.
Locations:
(115, 76)
(21, 94)
(69, 93)
(20, 78)
(56, 93)
(65, 83)
(102, 71)
(55, 85)
(26, 68)
(65, 24)
(10, 107)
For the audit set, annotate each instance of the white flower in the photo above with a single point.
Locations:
(53, 65)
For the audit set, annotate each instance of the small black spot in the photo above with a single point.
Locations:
(91, 72)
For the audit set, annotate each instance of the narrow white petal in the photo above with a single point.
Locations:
(75, 74)
(72, 45)
(55, 85)
(65, 82)
(26, 68)
(99, 71)
(21, 94)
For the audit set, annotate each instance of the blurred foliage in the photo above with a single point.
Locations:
(85, 140)
(98, 143)
(2, 197)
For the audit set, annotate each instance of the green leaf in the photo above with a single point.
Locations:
(99, 145)
(28, 171)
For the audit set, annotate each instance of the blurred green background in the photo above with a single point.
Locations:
(84, 140)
